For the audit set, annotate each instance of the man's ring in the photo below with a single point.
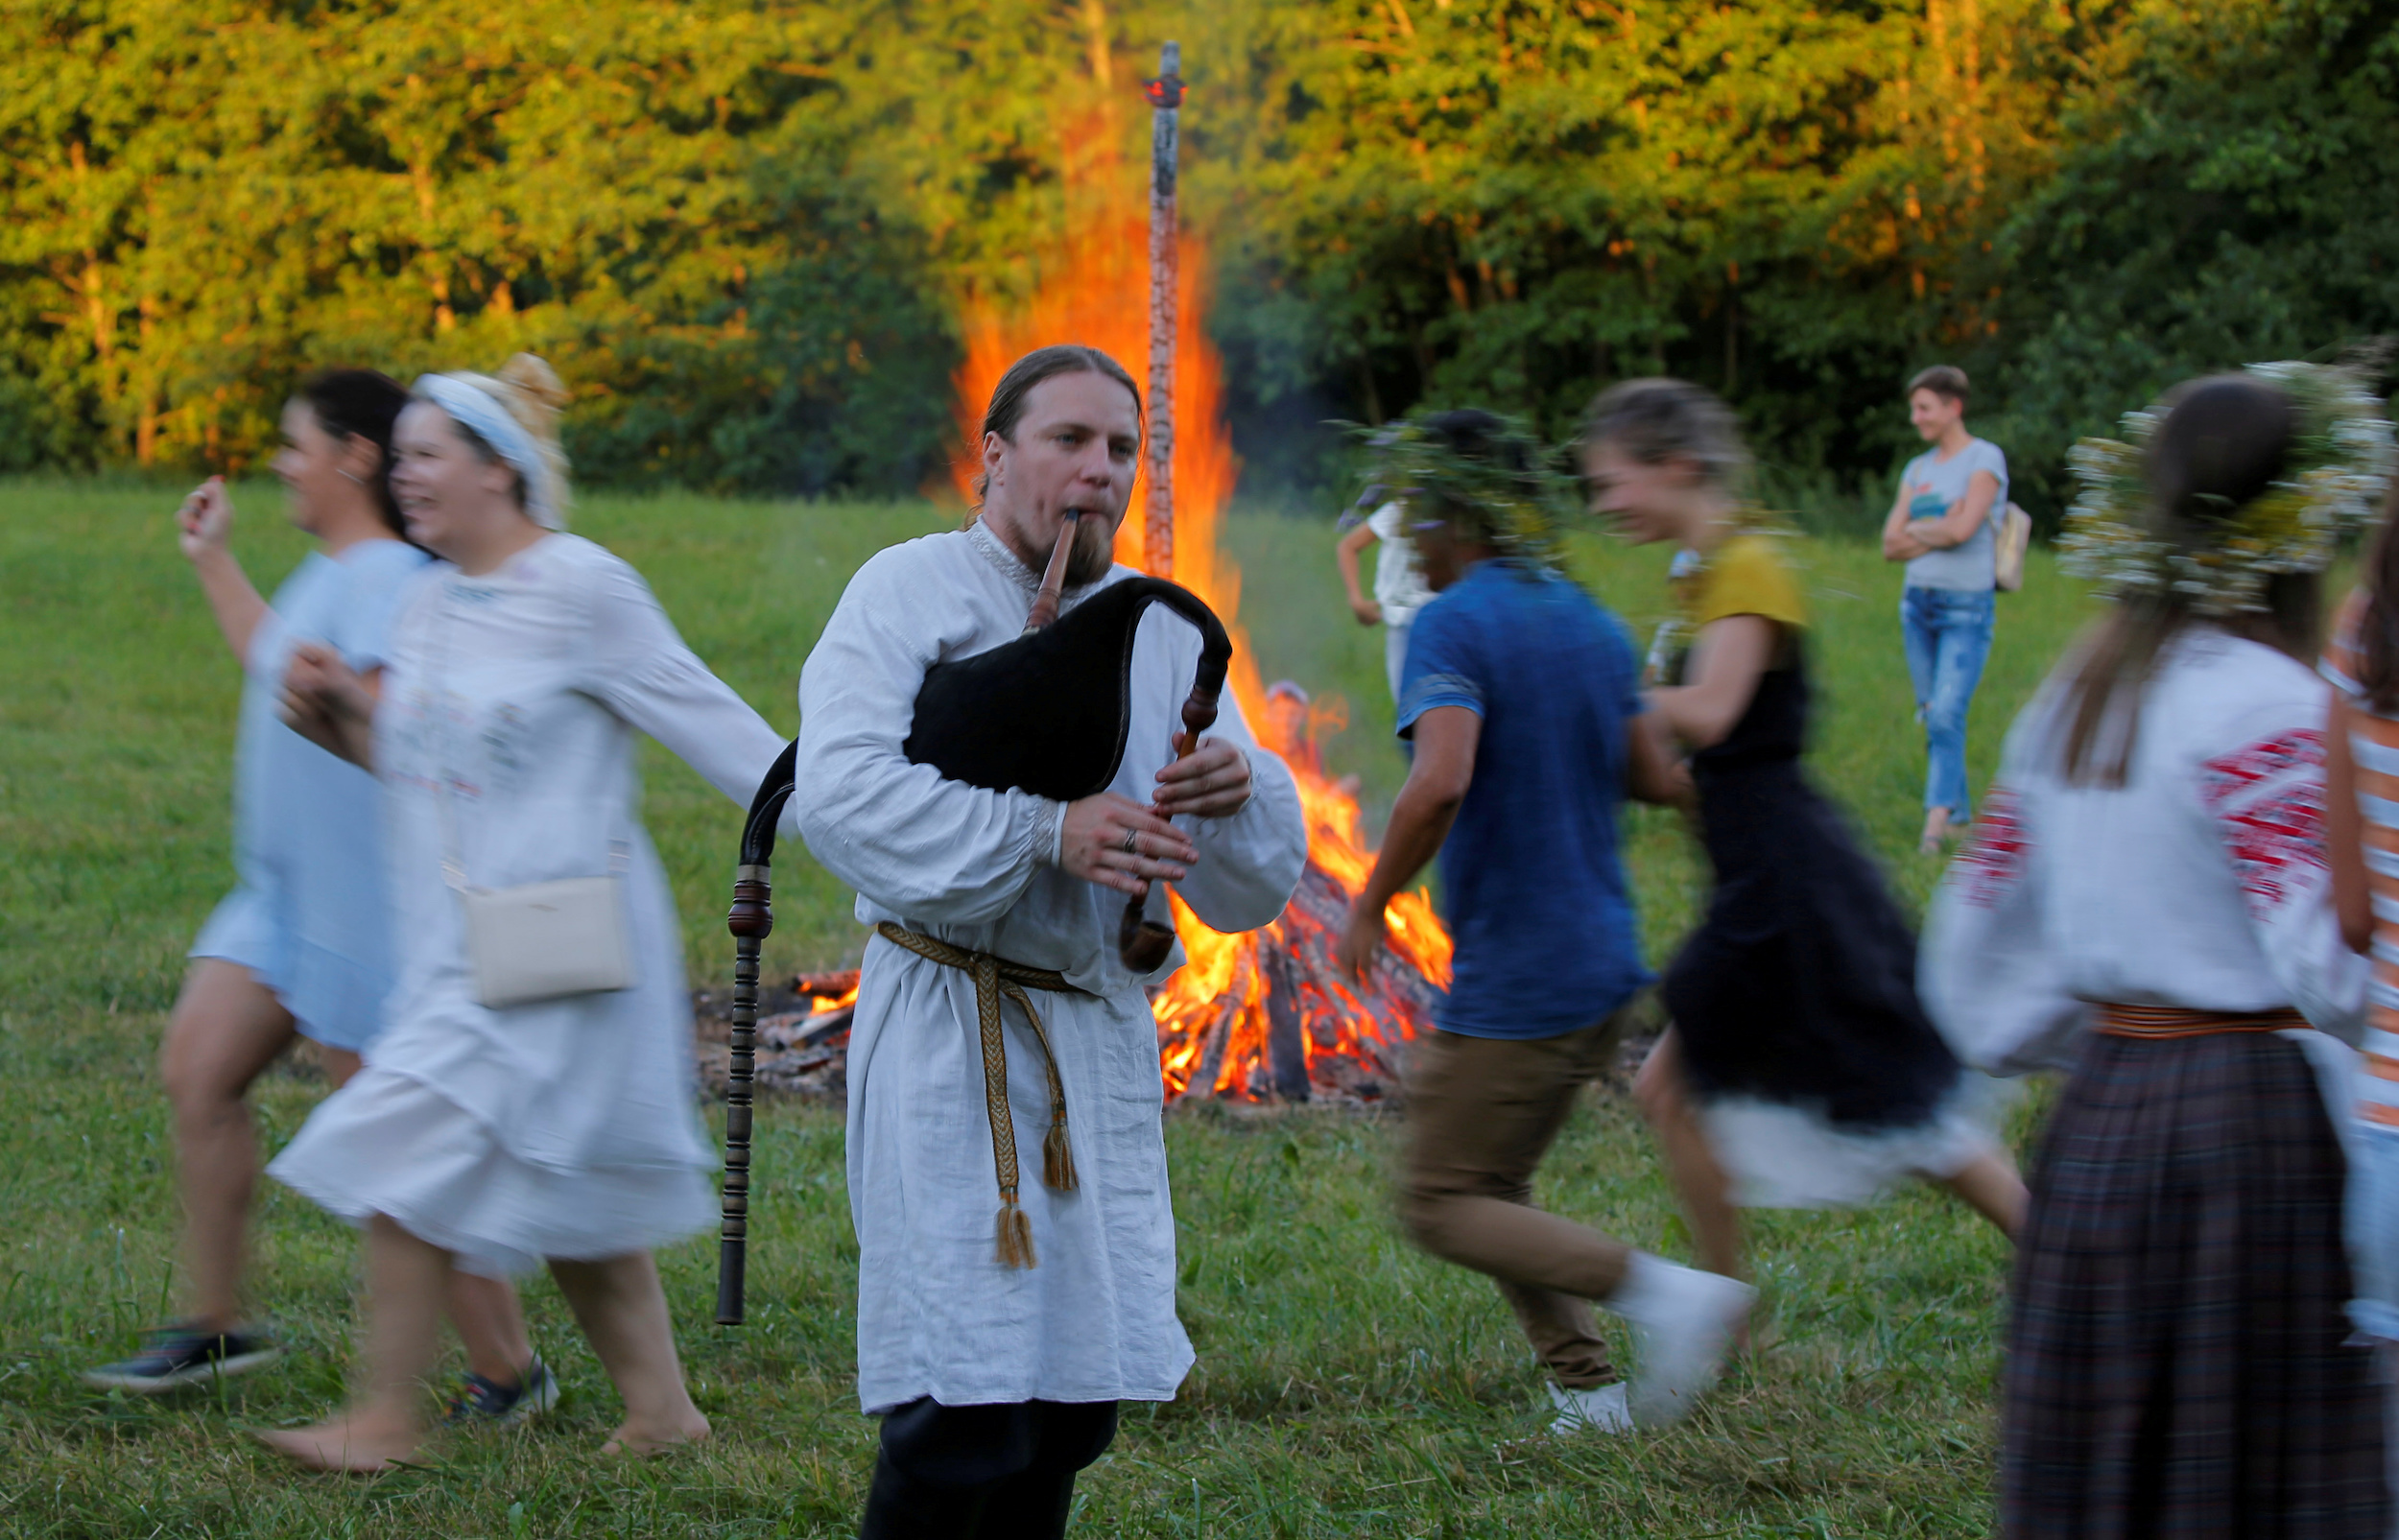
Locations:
(1130, 842)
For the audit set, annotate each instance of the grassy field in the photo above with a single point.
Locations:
(1347, 1386)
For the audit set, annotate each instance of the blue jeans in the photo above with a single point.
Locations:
(2373, 1227)
(1948, 632)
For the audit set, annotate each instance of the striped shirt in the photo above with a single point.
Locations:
(2374, 746)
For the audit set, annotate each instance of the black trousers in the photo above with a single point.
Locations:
(1002, 1472)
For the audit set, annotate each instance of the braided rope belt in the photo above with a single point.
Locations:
(997, 978)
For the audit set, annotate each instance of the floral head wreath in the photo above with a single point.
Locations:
(2339, 462)
(1519, 510)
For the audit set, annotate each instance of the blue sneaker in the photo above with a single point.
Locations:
(176, 1356)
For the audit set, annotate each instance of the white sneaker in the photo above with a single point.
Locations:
(1599, 1411)
(1682, 1320)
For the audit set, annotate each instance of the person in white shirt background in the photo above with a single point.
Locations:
(1944, 525)
(1400, 586)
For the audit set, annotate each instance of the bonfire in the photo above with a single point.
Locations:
(1260, 1017)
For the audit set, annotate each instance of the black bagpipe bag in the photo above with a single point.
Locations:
(1048, 713)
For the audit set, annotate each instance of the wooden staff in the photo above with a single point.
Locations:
(1166, 101)
(750, 920)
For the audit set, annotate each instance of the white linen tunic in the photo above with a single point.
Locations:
(566, 1128)
(938, 1316)
(2200, 883)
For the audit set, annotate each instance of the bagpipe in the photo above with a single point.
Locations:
(1048, 713)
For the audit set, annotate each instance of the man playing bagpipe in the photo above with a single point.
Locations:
(1002, 999)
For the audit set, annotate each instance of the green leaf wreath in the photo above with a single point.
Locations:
(1522, 512)
(2339, 464)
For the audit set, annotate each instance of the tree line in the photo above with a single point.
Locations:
(744, 229)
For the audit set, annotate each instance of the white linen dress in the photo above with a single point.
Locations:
(566, 1129)
(938, 1316)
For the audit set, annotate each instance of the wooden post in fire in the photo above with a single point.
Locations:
(1166, 101)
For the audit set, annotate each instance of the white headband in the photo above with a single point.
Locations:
(475, 407)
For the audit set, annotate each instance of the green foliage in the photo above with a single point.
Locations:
(1512, 203)
(202, 200)
(2227, 204)
(743, 228)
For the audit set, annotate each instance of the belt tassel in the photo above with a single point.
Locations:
(1016, 1234)
(1057, 1157)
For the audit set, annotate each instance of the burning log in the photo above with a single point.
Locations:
(1284, 1024)
(802, 1036)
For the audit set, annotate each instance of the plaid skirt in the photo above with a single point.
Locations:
(2178, 1362)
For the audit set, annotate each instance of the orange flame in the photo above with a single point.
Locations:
(1218, 1015)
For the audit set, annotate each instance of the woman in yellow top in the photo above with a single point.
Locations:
(1801, 1071)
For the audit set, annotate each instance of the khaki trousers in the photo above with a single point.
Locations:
(1481, 1112)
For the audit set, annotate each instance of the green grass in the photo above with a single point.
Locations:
(1346, 1384)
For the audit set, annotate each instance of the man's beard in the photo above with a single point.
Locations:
(1093, 553)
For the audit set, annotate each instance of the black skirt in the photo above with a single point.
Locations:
(1818, 1072)
(1799, 985)
(2179, 1362)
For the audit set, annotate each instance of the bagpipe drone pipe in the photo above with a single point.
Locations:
(1048, 713)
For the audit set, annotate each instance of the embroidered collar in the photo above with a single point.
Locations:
(992, 549)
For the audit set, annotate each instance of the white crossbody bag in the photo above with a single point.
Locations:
(539, 942)
(547, 941)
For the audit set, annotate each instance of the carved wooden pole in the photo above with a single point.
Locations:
(751, 919)
(1166, 101)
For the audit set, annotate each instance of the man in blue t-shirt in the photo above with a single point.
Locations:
(1520, 694)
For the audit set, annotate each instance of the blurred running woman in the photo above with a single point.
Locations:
(499, 1124)
(1800, 1072)
(301, 947)
(2147, 902)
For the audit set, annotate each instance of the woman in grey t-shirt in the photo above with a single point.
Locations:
(1944, 525)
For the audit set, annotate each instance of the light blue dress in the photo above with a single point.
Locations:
(310, 917)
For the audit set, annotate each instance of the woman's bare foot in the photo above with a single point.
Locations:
(641, 1441)
(1935, 831)
(361, 1446)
